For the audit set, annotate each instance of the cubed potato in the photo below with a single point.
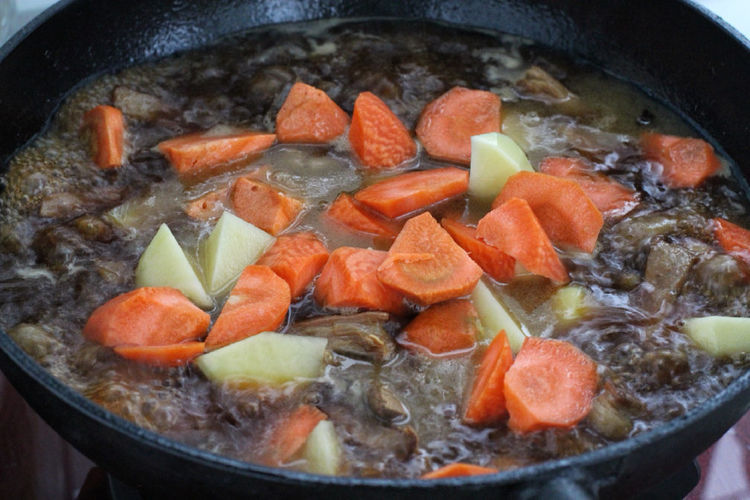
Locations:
(569, 303)
(495, 316)
(494, 158)
(322, 450)
(719, 335)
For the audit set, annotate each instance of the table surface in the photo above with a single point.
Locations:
(35, 463)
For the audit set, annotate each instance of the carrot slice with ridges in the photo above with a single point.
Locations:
(346, 212)
(566, 213)
(263, 206)
(349, 279)
(146, 316)
(500, 266)
(411, 191)
(443, 328)
(686, 161)
(107, 127)
(309, 115)
(459, 469)
(377, 136)
(514, 229)
(550, 384)
(290, 433)
(258, 303)
(447, 123)
(486, 404)
(297, 258)
(426, 265)
(162, 355)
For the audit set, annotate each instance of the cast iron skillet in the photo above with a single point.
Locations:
(670, 48)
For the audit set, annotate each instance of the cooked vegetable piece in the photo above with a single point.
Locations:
(411, 191)
(486, 404)
(735, 240)
(345, 211)
(289, 434)
(447, 124)
(426, 265)
(164, 263)
(146, 316)
(686, 161)
(349, 279)
(459, 469)
(297, 258)
(514, 229)
(107, 128)
(550, 384)
(138, 105)
(608, 195)
(719, 335)
(498, 265)
(209, 206)
(195, 156)
(232, 245)
(322, 451)
(569, 303)
(443, 328)
(162, 355)
(309, 115)
(385, 404)
(563, 209)
(377, 136)
(263, 206)
(495, 316)
(257, 303)
(494, 158)
(266, 357)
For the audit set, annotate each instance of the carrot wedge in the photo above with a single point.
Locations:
(261, 205)
(443, 328)
(408, 192)
(608, 195)
(686, 161)
(257, 303)
(346, 212)
(377, 136)
(500, 266)
(297, 258)
(514, 229)
(209, 206)
(447, 123)
(108, 135)
(566, 213)
(349, 279)
(162, 355)
(196, 156)
(550, 384)
(486, 404)
(735, 240)
(309, 115)
(459, 469)
(146, 316)
(426, 265)
(289, 434)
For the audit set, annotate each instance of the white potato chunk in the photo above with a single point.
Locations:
(719, 335)
(495, 316)
(494, 158)
(322, 450)
(569, 303)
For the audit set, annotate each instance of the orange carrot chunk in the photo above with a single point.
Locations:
(500, 266)
(608, 195)
(195, 156)
(734, 239)
(459, 469)
(550, 384)
(349, 279)
(162, 355)
(107, 135)
(514, 229)
(426, 265)
(209, 206)
(486, 404)
(443, 328)
(261, 205)
(347, 213)
(146, 316)
(297, 258)
(447, 123)
(288, 435)
(257, 303)
(377, 136)
(309, 115)
(686, 162)
(566, 213)
(414, 190)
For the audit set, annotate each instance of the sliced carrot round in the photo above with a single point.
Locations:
(500, 266)
(309, 115)
(443, 328)
(486, 404)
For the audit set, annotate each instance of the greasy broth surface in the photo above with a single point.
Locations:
(55, 270)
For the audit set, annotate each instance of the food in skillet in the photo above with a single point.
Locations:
(370, 250)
